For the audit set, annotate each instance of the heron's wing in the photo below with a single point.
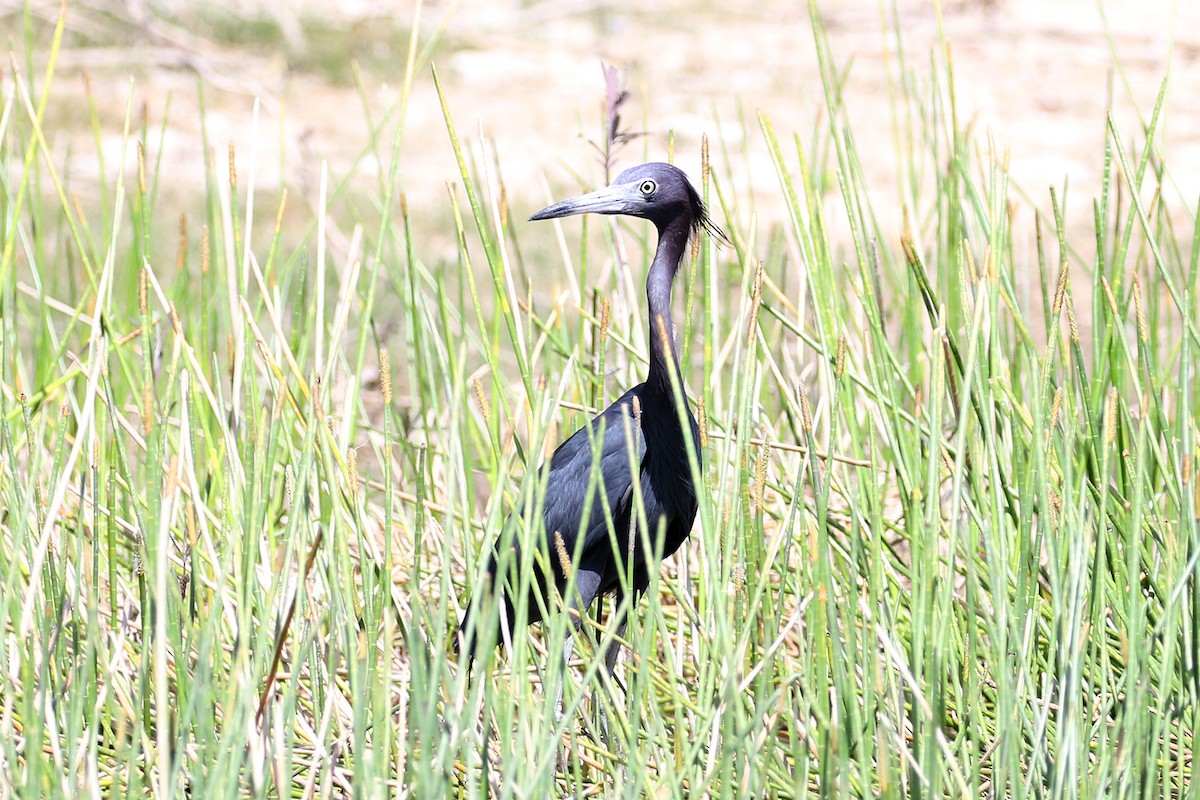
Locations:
(613, 442)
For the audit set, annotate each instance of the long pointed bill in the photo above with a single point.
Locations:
(615, 199)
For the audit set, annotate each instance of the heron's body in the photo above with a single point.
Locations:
(642, 437)
(669, 498)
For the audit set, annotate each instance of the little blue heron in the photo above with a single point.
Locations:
(646, 427)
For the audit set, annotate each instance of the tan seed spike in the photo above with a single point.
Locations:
(181, 253)
(485, 407)
(1187, 468)
(560, 549)
(705, 166)
(385, 375)
(1074, 326)
(1110, 416)
(805, 409)
(839, 363)
(352, 470)
(605, 312)
(205, 255)
(143, 291)
(1060, 290)
(702, 422)
(1056, 407)
(760, 473)
(1143, 329)
(232, 167)
(141, 157)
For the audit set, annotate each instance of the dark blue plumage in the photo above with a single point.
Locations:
(662, 194)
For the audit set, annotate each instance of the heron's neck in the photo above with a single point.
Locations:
(672, 242)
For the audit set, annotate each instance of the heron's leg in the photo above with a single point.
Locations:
(568, 646)
(587, 583)
(619, 623)
(612, 653)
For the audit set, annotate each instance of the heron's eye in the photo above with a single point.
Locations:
(647, 188)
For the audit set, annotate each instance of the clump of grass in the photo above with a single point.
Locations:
(947, 542)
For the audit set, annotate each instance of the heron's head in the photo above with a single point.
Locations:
(658, 192)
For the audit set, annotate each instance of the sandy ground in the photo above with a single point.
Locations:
(1035, 74)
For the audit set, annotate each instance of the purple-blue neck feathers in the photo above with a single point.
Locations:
(673, 236)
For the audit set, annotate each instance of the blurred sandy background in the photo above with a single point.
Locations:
(1036, 74)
